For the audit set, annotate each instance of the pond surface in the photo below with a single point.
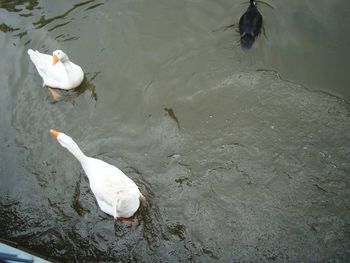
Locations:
(243, 156)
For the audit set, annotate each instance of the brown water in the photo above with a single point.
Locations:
(244, 156)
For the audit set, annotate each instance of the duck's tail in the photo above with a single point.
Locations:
(247, 41)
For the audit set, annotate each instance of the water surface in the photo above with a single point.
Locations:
(243, 156)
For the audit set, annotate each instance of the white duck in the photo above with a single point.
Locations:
(116, 194)
(56, 70)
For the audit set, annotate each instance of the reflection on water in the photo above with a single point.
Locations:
(5, 28)
(45, 21)
(236, 163)
(71, 95)
(19, 5)
(30, 10)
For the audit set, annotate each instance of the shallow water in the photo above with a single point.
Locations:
(243, 156)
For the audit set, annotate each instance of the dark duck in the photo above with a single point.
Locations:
(250, 25)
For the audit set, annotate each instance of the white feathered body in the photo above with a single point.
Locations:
(116, 194)
(62, 75)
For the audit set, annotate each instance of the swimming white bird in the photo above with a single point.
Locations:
(116, 194)
(56, 70)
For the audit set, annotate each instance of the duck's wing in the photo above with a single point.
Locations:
(110, 187)
(107, 180)
(105, 207)
(56, 76)
(53, 75)
(116, 194)
(41, 61)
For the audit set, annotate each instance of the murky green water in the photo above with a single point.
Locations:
(243, 159)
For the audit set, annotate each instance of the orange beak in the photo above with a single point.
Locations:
(54, 133)
(55, 59)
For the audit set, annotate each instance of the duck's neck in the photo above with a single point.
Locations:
(67, 65)
(75, 150)
(252, 2)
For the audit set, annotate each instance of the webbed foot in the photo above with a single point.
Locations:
(54, 93)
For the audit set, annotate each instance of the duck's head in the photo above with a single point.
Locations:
(59, 55)
(62, 138)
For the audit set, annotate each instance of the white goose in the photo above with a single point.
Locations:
(56, 70)
(116, 194)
